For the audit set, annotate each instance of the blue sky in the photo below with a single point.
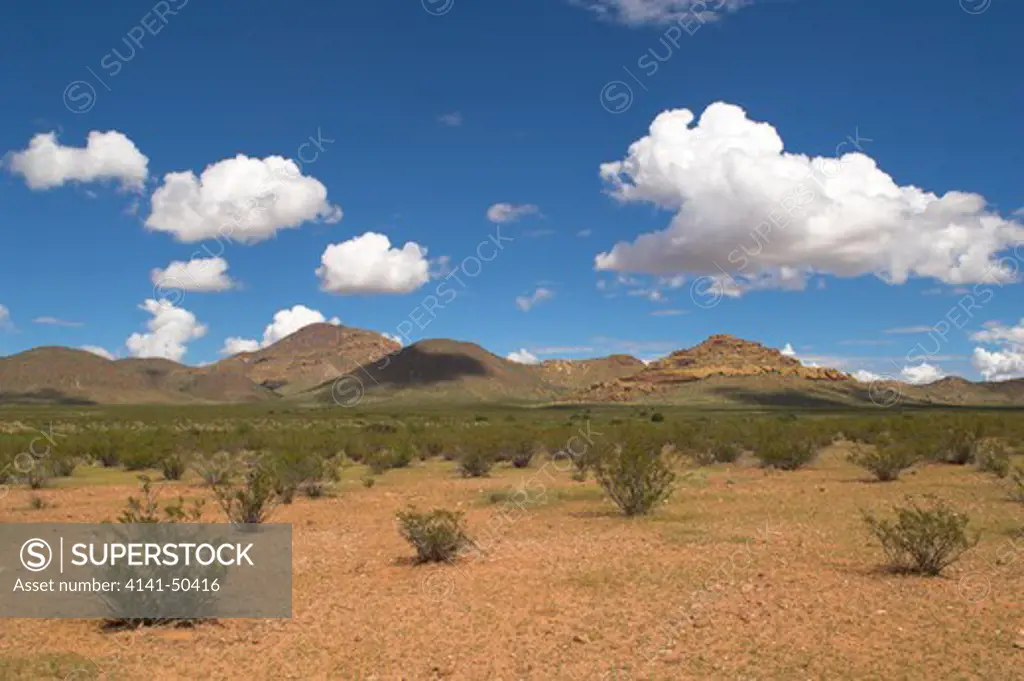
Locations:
(443, 123)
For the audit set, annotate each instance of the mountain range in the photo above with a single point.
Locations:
(320, 361)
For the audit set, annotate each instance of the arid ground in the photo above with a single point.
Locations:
(743, 574)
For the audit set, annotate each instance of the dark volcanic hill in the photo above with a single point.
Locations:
(454, 371)
(310, 356)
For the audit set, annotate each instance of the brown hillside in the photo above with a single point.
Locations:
(718, 356)
(309, 357)
(582, 373)
(54, 374)
(449, 370)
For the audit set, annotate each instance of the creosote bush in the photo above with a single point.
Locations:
(922, 538)
(634, 474)
(146, 509)
(173, 466)
(885, 460)
(475, 462)
(1016, 479)
(438, 535)
(253, 499)
(786, 448)
(991, 456)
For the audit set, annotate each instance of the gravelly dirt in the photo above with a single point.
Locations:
(744, 574)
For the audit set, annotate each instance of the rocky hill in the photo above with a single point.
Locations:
(309, 357)
(440, 369)
(582, 373)
(720, 356)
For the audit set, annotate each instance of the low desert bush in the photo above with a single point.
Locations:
(1016, 480)
(173, 466)
(886, 459)
(475, 462)
(38, 503)
(785, 449)
(438, 536)
(146, 508)
(523, 451)
(38, 475)
(253, 499)
(634, 474)
(992, 456)
(217, 469)
(63, 466)
(922, 538)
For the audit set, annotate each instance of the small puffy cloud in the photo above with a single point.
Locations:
(788, 350)
(97, 350)
(201, 275)
(106, 156)
(243, 199)
(452, 119)
(660, 12)
(922, 374)
(5, 317)
(285, 323)
(522, 356)
(526, 303)
(584, 233)
(234, 345)
(169, 331)
(667, 313)
(773, 218)
(392, 337)
(999, 365)
(509, 212)
(864, 376)
(367, 264)
(54, 321)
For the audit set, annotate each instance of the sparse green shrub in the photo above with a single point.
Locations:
(992, 456)
(37, 476)
(438, 536)
(309, 473)
(63, 466)
(253, 500)
(885, 460)
(146, 509)
(216, 470)
(960, 443)
(38, 503)
(634, 474)
(923, 539)
(1017, 485)
(173, 466)
(787, 448)
(657, 417)
(369, 481)
(523, 451)
(475, 462)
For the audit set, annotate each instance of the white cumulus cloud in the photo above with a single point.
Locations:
(999, 365)
(169, 331)
(97, 350)
(526, 303)
(199, 275)
(243, 199)
(865, 376)
(770, 218)
(285, 323)
(46, 163)
(788, 350)
(5, 317)
(922, 374)
(509, 212)
(367, 264)
(522, 356)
